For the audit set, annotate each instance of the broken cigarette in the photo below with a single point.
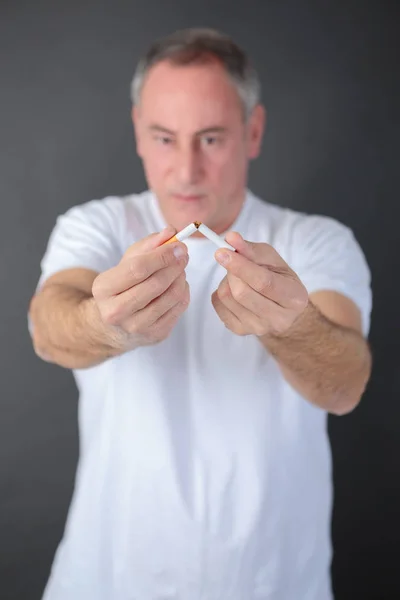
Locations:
(213, 237)
(183, 234)
(206, 231)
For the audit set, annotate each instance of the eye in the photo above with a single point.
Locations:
(210, 140)
(164, 140)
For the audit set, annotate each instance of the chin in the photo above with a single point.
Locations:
(180, 212)
(184, 217)
(183, 222)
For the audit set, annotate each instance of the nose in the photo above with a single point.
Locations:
(188, 166)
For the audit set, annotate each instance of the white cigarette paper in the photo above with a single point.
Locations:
(206, 231)
(186, 232)
(183, 234)
(213, 237)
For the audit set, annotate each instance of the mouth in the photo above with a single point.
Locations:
(188, 197)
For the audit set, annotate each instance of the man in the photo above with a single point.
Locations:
(205, 376)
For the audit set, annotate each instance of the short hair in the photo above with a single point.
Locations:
(199, 46)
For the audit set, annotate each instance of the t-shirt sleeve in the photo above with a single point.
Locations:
(327, 256)
(88, 236)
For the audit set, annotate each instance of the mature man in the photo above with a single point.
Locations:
(204, 468)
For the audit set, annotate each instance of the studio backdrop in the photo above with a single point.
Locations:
(330, 84)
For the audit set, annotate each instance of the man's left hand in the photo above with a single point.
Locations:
(260, 295)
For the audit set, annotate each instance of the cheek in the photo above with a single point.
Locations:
(157, 163)
(227, 168)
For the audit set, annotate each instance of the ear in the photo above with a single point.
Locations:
(256, 126)
(135, 115)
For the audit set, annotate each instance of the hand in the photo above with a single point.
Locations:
(146, 293)
(260, 294)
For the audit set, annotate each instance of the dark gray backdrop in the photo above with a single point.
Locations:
(331, 89)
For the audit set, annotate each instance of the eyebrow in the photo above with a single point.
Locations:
(213, 129)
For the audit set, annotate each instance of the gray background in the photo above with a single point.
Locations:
(329, 71)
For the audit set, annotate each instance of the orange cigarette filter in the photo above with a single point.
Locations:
(206, 231)
(184, 233)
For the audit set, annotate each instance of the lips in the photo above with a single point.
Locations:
(188, 198)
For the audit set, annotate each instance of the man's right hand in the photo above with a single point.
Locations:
(146, 293)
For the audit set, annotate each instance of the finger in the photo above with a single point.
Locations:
(229, 319)
(259, 253)
(138, 297)
(150, 242)
(243, 314)
(282, 288)
(271, 319)
(135, 269)
(246, 296)
(166, 322)
(177, 294)
(141, 267)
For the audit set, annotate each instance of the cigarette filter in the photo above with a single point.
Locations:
(183, 234)
(206, 231)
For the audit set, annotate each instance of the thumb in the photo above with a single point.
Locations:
(150, 242)
(242, 246)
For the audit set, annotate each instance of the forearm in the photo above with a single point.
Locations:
(67, 329)
(327, 364)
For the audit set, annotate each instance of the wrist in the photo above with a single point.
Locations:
(111, 337)
(296, 330)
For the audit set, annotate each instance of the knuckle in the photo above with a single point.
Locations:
(150, 315)
(175, 294)
(156, 333)
(138, 269)
(265, 283)
(183, 283)
(180, 279)
(224, 291)
(132, 327)
(296, 294)
(181, 266)
(155, 310)
(300, 300)
(110, 313)
(259, 329)
(160, 331)
(166, 258)
(98, 286)
(241, 331)
(297, 303)
(155, 286)
(177, 289)
(239, 292)
(280, 323)
(176, 313)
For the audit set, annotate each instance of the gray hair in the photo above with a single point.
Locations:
(200, 45)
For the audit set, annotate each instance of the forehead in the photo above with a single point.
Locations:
(198, 95)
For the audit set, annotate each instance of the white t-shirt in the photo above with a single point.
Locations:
(203, 475)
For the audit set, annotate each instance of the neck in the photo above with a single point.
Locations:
(223, 224)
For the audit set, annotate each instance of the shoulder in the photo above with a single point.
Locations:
(318, 236)
(109, 209)
(91, 235)
(111, 215)
(293, 232)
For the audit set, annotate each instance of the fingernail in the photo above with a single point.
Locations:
(169, 229)
(179, 252)
(222, 257)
